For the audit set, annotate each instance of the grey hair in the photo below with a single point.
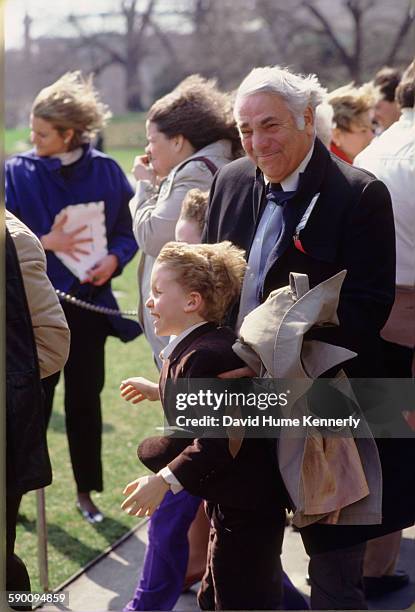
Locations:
(298, 91)
(324, 123)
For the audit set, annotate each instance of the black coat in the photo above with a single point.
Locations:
(351, 227)
(204, 466)
(27, 460)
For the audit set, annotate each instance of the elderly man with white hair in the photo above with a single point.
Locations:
(294, 207)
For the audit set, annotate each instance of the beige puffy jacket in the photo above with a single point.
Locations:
(155, 213)
(50, 328)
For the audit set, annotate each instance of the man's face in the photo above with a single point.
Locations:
(270, 135)
(386, 113)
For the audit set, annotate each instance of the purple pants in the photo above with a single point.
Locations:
(165, 563)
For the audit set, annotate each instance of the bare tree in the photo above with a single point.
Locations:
(127, 48)
(362, 13)
(322, 35)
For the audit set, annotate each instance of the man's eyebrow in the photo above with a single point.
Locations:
(242, 125)
(268, 119)
(264, 121)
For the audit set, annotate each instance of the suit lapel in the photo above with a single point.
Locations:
(163, 377)
(184, 345)
(310, 184)
(258, 197)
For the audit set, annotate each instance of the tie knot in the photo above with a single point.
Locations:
(276, 194)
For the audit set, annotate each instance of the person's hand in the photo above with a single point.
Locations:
(137, 389)
(244, 372)
(65, 242)
(144, 495)
(102, 271)
(142, 170)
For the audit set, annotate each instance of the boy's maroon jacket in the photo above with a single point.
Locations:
(205, 466)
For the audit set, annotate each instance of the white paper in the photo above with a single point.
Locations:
(92, 215)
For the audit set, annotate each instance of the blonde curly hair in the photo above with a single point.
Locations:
(216, 271)
(72, 102)
(350, 103)
(194, 207)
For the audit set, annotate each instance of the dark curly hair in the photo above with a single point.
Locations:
(387, 80)
(197, 110)
(405, 92)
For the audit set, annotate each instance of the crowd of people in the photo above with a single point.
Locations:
(236, 196)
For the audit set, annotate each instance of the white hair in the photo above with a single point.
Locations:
(324, 123)
(296, 90)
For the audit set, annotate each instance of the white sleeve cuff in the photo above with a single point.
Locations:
(170, 478)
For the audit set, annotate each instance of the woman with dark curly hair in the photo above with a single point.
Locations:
(60, 176)
(191, 133)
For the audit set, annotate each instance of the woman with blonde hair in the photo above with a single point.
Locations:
(352, 120)
(52, 189)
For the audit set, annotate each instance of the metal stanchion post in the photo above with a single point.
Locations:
(42, 540)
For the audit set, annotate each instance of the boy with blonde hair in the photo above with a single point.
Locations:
(189, 227)
(192, 288)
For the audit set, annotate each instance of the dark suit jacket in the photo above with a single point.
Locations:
(205, 466)
(351, 227)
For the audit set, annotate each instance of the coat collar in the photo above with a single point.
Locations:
(309, 185)
(54, 164)
(188, 341)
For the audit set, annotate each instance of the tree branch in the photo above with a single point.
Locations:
(330, 33)
(400, 34)
(94, 40)
(164, 39)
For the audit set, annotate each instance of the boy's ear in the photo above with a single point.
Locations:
(194, 302)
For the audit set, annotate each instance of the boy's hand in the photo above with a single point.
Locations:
(144, 495)
(137, 389)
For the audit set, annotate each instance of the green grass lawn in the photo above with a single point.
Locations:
(72, 541)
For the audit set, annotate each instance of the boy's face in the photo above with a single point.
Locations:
(187, 231)
(169, 303)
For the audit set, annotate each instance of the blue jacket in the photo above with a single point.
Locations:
(37, 188)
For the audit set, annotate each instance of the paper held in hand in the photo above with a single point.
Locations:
(92, 215)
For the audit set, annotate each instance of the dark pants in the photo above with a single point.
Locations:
(397, 360)
(243, 565)
(84, 375)
(336, 579)
(17, 578)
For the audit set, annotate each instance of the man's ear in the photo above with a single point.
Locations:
(194, 302)
(309, 120)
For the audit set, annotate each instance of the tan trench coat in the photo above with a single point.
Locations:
(334, 479)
